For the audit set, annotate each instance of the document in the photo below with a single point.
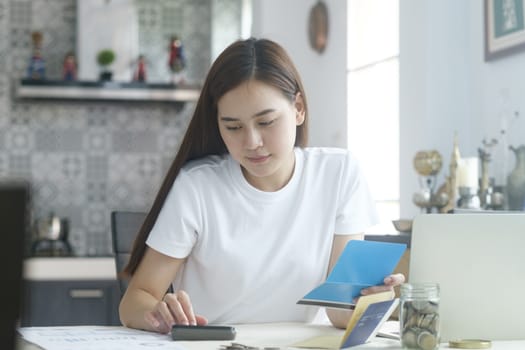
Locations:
(96, 338)
(362, 264)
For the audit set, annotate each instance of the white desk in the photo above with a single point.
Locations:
(283, 335)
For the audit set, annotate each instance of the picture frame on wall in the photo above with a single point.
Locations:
(504, 28)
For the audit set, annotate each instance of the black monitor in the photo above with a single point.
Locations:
(14, 202)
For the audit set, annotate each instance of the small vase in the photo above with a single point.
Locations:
(516, 180)
(106, 76)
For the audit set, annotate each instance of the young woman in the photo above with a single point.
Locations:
(247, 220)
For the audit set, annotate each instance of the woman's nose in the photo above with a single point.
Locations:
(252, 139)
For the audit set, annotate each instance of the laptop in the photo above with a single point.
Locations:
(479, 262)
(14, 199)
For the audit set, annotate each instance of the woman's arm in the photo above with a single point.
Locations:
(145, 305)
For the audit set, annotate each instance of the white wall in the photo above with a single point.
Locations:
(445, 84)
(103, 25)
(324, 75)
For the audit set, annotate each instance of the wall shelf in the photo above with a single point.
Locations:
(113, 91)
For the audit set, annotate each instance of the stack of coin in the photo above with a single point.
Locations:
(419, 324)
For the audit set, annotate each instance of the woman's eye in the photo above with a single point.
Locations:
(267, 122)
(233, 128)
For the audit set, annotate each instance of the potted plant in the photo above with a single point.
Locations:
(105, 58)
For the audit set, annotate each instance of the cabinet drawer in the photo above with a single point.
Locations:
(63, 303)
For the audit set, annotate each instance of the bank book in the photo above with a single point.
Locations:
(362, 264)
(370, 314)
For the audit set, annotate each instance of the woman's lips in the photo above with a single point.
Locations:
(258, 159)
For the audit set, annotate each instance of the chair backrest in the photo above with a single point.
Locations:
(124, 228)
(14, 211)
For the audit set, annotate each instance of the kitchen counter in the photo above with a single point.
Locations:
(70, 268)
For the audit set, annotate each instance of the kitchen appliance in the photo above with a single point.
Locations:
(51, 237)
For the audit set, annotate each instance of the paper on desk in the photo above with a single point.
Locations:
(96, 338)
(320, 342)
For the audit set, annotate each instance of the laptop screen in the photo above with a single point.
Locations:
(14, 199)
(479, 262)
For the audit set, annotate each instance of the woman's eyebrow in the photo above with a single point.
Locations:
(263, 112)
(258, 114)
(229, 119)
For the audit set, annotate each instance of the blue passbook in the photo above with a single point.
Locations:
(362, 264)
(369, 323)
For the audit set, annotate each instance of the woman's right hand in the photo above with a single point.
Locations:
(174, 308)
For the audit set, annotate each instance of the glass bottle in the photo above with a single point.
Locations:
(419, 316)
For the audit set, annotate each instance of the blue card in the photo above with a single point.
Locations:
(362, 264)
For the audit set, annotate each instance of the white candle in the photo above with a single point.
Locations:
(467, 172)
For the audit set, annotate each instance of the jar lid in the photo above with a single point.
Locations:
(470, 344)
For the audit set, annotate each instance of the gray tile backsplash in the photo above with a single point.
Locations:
(85, 159)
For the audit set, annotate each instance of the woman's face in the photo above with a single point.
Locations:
(258, 126)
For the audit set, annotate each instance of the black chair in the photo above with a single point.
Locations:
(14, 211)
(124, 227)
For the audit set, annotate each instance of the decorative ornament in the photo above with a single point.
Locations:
(140, 71)
(37, 65)
(69, 68)
(318, 27)
(105, 58)
(177, 59)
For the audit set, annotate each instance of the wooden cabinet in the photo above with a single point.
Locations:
(64, 291)
(63, 303)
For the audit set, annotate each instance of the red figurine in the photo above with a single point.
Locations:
(69, 69)
(176, 61)
(140, 72)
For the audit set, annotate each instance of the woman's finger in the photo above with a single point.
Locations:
(175, 309)
(376, 289)
(165, 312)
(157, 322)
(394, 279)
(201, 320)
(185, 303)
(152, 320)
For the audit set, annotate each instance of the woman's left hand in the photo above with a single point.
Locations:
(389, 283)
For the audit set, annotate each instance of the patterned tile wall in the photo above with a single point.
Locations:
(86, 159)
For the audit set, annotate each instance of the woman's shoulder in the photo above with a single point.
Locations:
(207, 164)
(329, 160)
(326, 154)
(206, 167)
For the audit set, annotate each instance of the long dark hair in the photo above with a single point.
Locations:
(252, 59)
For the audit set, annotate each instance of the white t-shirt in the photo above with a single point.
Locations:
(252, 254)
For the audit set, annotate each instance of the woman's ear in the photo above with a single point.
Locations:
(299, 108)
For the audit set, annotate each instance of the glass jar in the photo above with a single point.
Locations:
(419, 316)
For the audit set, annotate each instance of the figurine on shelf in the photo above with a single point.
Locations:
(516, 180)
(427, 165)
(37, 65)
(105, 58)
(69, 68)
(140, 71)
(485, 187)
(450, 185)
(177, 60)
